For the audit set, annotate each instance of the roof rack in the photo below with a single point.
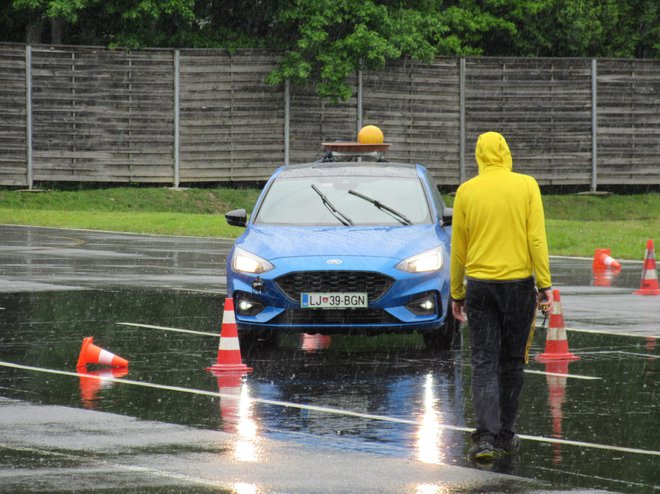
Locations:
(347, 151)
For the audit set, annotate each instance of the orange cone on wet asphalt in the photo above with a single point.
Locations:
(229, 351)
(649, 284)
(92, 354)
(603, 260)
(556, 343)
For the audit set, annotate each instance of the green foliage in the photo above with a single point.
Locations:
(128, 199)
(328, 41)
(576, 225)
(602, 208)
(66, 9)
(576, 28)
(190, 212)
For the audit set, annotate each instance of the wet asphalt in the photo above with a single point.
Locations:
(341, 414)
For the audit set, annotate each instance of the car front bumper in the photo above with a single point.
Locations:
(411, 302)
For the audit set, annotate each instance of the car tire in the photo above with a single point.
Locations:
(443, 338)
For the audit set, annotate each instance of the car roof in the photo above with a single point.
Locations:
(352, 168)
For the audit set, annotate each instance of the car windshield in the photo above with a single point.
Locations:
(300, 201)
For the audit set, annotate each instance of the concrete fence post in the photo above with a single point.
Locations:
(594, 126)
(28, 116)
(177, 117)
(461, 113)
(359, 101)
(287, 120)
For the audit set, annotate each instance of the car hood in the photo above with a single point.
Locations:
(393, 242)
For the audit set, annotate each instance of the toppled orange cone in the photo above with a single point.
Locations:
(92, 354)
(649, 274)
(603, 260)
(556, 343)
(229, 351)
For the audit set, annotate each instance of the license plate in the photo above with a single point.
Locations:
(333, 300)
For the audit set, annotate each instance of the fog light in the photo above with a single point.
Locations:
(424, 304)
(247, 306)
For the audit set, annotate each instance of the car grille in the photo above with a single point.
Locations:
(374, 284)
(349, 317)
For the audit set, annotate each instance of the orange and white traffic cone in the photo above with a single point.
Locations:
(92, 354)
(603, 260)
(649, 274)
(229, 351)
(556, 343)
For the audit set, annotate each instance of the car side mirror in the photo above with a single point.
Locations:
(237, 217)
(447, 215)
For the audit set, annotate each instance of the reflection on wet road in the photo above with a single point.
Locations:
(157, 301)
(385, 395)
(47, 259)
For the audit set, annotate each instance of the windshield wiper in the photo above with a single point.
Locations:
(400, 217)
(345, 220)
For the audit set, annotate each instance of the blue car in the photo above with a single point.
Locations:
(344, 247)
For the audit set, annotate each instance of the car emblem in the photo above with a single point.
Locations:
(334, 261)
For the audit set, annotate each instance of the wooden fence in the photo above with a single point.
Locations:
(88, 114)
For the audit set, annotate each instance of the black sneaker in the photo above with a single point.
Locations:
(507, 445)
(483, 450)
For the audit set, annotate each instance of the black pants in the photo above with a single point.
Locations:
(500, 315)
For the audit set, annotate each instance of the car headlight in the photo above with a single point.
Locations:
(431, 260)
(246, 262)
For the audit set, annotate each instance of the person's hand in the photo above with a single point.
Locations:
(458, 310)
(546, 301)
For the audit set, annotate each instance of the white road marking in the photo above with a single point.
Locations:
(559, 374)
(600, 331)
(190, 331)
(645, 355)
(328, 410)
(573, 376)
(577, 258)
(165, 328)
(621, 352)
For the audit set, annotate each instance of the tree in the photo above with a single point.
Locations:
(327, 41)
(129, 23)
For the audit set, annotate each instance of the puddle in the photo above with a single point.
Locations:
(392, 377)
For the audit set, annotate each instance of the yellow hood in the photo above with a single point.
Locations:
(492, 150)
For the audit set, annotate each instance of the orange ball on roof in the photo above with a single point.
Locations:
(370, 134)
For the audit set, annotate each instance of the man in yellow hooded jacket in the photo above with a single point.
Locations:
(499, 246)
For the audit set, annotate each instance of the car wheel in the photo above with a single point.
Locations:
(443, 338)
